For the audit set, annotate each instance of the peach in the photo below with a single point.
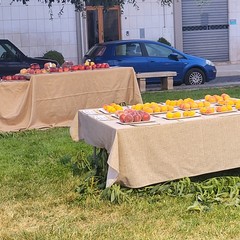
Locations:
(122, 117)
(146, 116)
(128, 118)
(137, 117)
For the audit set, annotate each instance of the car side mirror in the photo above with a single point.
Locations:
(173, 56)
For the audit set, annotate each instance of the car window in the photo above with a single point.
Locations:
(128, 49)
(96, 51)
(155, 50)
(7, 53)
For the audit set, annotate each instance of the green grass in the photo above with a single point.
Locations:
(38, 197)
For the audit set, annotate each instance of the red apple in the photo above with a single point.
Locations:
(31, 71)
(15, 77)
(66, 69)
(35, 66)
(38, 71)
(21, 77)
(9, 77)
(87, 67)
(60, 69)
(74, 68)
(81, 67)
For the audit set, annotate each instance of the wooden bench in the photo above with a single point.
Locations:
(165, 77)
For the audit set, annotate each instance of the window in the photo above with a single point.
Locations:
(155, 50)
(7, 53)
(129, 49)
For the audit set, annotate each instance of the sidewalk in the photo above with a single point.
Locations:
(227, 69)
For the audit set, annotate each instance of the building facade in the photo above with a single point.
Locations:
(211, 30)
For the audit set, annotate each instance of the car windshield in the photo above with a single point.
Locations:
(96, 51)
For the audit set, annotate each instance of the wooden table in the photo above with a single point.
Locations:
(163, 150)
(50, 100)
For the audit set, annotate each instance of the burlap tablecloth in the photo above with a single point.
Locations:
(165, 150)
(49, 100)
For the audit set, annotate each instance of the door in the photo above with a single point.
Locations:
(206, 29)
(103, 25)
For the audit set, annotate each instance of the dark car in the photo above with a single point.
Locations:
(12, 60)
(151, 56)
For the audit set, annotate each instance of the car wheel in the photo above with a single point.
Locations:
(195, 76)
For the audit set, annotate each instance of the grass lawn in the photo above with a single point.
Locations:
(39, 176)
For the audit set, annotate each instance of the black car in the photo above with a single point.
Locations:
(12, 60)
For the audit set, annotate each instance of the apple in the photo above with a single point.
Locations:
(9, 77)
(52, 69)
(74, 68)
(98, 65)
(35, 66)
(15, 77)
(81, 67)
(43, 70)
(87, 67)
(23, 71)
(31, 71)
(38, 71)
(60, 69)
(48, 65)
(66, 69)
(21, 77)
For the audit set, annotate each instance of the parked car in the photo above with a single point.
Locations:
(12, 60)
(151, 56)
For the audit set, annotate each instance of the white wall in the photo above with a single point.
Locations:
(234, 31)
(32, 31)
(157, 21)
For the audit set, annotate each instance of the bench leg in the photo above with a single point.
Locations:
(167, 83)
(142, 84)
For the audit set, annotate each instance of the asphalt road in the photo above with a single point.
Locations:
(218, 82)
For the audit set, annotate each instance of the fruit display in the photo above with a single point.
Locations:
(13, 77)
(131, 115)
(216, 109)
(112, 108)
(66, 67)
(181, 114)
(153, 107)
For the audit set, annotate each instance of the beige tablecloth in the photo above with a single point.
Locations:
(49, 100)
(164, 150)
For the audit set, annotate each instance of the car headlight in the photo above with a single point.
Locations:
(208, 62)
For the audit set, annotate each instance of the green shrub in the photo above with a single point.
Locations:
(54, 55)
(163, 40)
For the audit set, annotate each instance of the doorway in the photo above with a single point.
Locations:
(103, 25)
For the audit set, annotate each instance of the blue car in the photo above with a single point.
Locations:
(152, 56)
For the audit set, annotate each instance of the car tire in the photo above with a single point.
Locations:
(195, 76)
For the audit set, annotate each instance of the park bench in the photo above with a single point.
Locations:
(166, 79)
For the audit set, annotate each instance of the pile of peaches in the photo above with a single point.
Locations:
(127, 115)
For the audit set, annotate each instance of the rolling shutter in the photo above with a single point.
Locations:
(206, 29)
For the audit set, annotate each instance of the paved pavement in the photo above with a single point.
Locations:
(227, 69)
(227, 75)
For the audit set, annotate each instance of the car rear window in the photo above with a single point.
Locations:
(96, 51)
